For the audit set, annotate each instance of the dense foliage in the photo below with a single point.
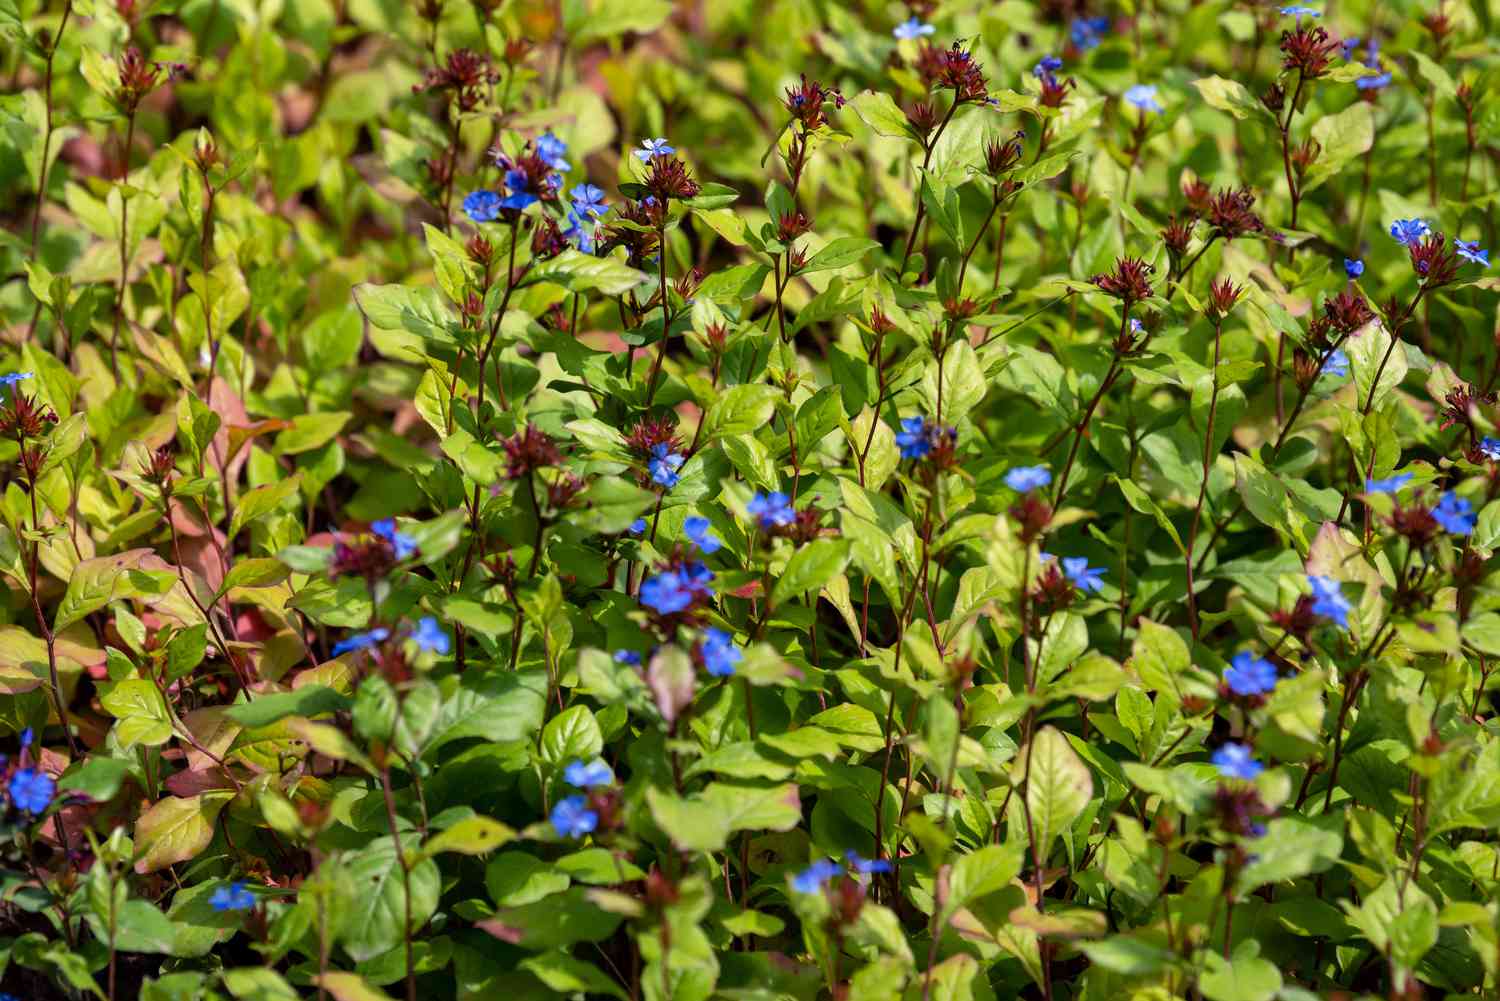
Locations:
(749, 499)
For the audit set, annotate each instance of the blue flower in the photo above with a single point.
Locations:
(482, 206)
(572, 817)
(652, 148)
(1353, 268)
(911, 28)
(1248, 674)
(719, 652)
(1301, 11)
(581, 231)
(865, 866)
(430, 636)
(1337, 364)
(552, 150)
(1024, 478)
(1048, 66)
(27, 736)
(1374, 82)
(1235, 761)
(696, 529)
(811, 879)
(586, 776)
(31, 789)
(1409, 231)
(1389, 485)
(1455, 514)
(915, 438)
(1143, 96)
(664, 465)
(770, 510)
(1329, 600)
(1087, 32)
(1470, 251)
(1490, 447)
(403, 544)
(588, 199)
(361, 641)
(1084, 577)
(232, 897)
(631, 657)
(696, 576)
(638, 526)
(666, 593)
(11, 378)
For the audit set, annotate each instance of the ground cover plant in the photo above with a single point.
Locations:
(749, 499)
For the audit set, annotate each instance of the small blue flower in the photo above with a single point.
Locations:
(588, 199)
(586, 776)
(664, 465)
(630, 657)
(666, 593)
(911, 28)
(719, 652)
(638, 526)
(1490, 447)
(696, 577)
(572, 817)
(864, 866)
(1375, 82)
(1143, 97)
(812, 879)
(1235, 761)
(1329, 600)
(1353, 268)
(482, 206)
(11, 378)
(552, 150)
(361, 641)
(1048, 66)
(1469, 251)
(430, 636)
(771, 510)
(1024, 478)
(696, 529)
(1087, 32)
(1455, 514)
(1389, 485)
(1301, 11)
(232, 897)
(404, 545)
(915, 438)
(1083, 576)
(28, 734)
(1248, 674)
(1337, 364)
(31, 789)
(652, 148)
(582, 232)
(1409, 231)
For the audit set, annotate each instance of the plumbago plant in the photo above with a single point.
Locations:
(749, 500)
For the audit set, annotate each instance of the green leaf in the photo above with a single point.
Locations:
(310, 431)
(571, 735)
(704, 822)
(1366, 349)
(579, 272)
(176, 829)
(740, 410)
(1233, 97)
(261, 501)
(880, 112)
(1245, 977)
(470, 836)
(307, 701)
(1290, 849)
(375, 921)
(839, 253)
(142, 713)
(810, 567)
(1058, 785)
(563, 974)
